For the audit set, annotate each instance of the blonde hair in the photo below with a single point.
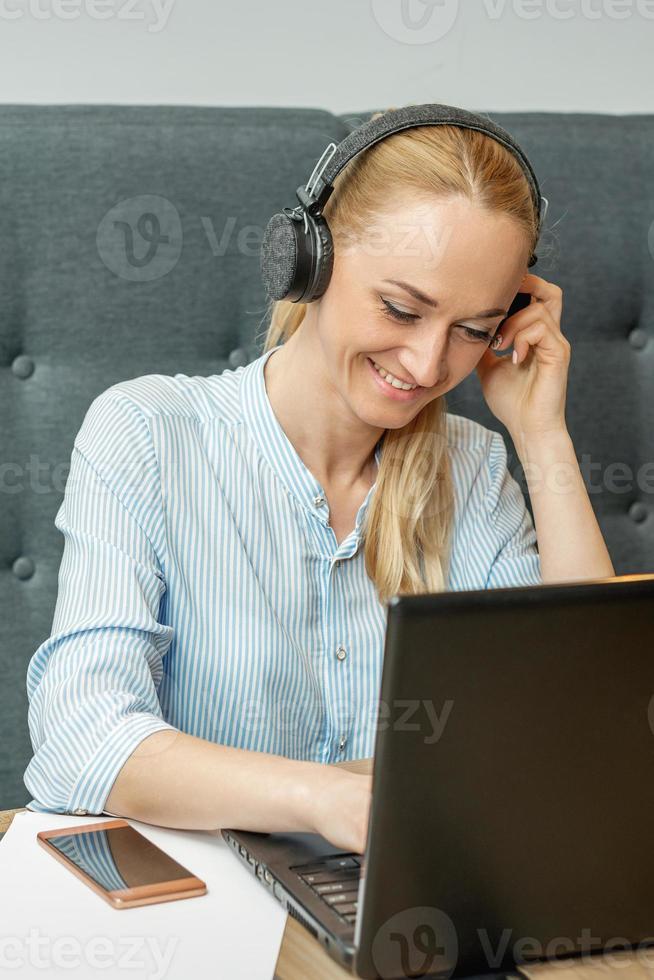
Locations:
(408, 522)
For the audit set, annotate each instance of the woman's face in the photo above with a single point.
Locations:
(469, 262)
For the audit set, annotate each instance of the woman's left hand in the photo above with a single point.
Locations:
(529, 397)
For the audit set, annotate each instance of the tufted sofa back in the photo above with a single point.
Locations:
(129, 245)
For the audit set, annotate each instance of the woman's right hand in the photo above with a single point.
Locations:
(341, 807)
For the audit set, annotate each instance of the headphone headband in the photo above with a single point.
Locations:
(297, 251)
(320, 184)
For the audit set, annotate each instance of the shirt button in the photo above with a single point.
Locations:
(341, 744)
(341, 653)
(80, 812)
(319, 500)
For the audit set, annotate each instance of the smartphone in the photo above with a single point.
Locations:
(120, 864)
(520, 301)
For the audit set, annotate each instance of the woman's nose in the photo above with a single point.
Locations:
(427, 363)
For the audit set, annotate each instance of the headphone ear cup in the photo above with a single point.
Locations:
(294, 265)
(323, 246)
(278, 259)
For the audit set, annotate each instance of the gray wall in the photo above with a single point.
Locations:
(549, 55)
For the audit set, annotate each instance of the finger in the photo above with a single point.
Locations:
(548, 345)
(546, 292)
(521, 320)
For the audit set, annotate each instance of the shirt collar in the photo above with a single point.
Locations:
(275, 446)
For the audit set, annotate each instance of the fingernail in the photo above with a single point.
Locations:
(514, 357)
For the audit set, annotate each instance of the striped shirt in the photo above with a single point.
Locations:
(202, 589)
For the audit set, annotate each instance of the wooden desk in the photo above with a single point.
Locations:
(300, 955)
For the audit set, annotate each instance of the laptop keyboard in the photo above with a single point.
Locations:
(336, 881)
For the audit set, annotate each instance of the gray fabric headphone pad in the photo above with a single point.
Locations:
(278, 256)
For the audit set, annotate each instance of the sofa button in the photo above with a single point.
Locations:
(638, 338)
(22, 366)
(638, 512)
(238, 358)
(23, 567)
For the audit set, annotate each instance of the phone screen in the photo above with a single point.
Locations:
(118, 858)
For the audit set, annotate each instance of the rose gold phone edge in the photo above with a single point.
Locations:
(127, 897)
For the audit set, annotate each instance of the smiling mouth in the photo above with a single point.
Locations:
(391, 379)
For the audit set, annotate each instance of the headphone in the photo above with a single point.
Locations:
(297, 250)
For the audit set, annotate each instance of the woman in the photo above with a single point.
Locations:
(230, 541)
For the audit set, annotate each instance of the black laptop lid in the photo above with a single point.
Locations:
(519, 724)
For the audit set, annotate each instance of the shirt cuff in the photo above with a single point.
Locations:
(90, 792)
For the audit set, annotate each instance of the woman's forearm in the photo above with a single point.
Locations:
(570, 542)
(177, 780)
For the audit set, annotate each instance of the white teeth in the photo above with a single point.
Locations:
(392, 380)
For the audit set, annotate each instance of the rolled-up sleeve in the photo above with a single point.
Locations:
(510, 529)
(92, 685)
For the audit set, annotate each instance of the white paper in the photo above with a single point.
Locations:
(53, 925)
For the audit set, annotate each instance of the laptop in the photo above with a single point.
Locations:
(519, 826)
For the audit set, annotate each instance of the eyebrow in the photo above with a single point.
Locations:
(428, 301)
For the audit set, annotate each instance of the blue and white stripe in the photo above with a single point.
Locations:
(201, 588)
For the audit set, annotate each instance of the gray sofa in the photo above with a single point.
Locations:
(84, 305)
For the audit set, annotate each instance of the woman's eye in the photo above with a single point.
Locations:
(389, 310)
(476, 334)
(392, 311)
